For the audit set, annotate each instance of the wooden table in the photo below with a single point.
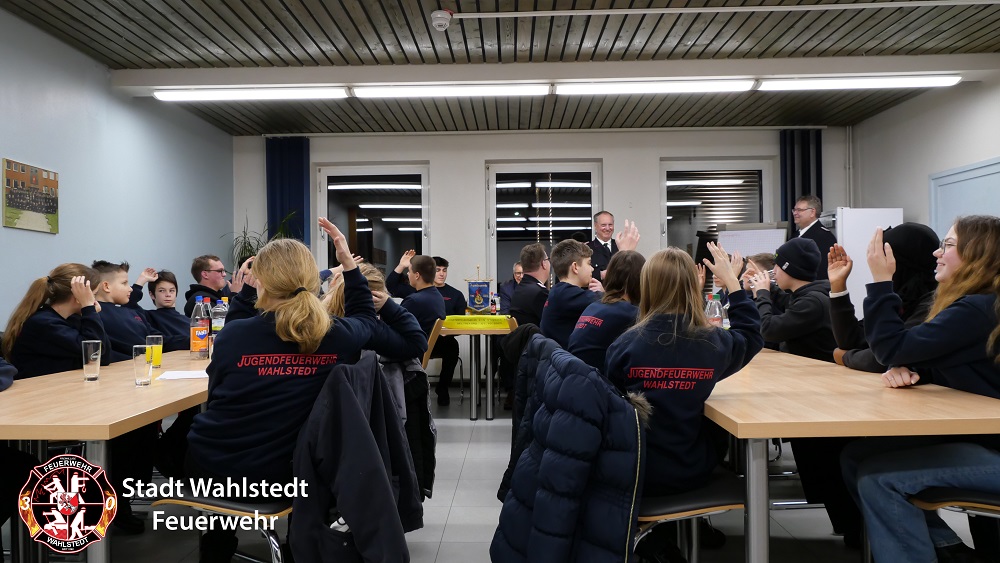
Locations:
(783, 396)
(62, 406)
(476, 334)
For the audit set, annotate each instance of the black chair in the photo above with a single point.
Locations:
(982, 508)
(725, 492)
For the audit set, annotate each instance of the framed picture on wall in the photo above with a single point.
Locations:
(30, 197)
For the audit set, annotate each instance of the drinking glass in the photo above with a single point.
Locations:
(142, 363)
(155, 344)
(91, 360)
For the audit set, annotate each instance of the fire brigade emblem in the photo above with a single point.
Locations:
(67, 503)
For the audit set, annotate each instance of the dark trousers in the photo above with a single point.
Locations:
(446, 348)
(818, 463)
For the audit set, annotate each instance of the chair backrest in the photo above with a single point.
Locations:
(431, 339)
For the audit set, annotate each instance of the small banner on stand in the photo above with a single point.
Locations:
(479, 295)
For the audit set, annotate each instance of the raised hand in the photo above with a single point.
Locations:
(700, 269)
(596, 286)
(404, 261)
(243, 276)
(379, 298)
(881, 261)
(722, 267)
(627, 238)
(899, 377)
(344, 255)
(839, 266)
(80, 286)
(146, 276)
(760, 281)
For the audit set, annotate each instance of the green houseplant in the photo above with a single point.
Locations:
(247, 243)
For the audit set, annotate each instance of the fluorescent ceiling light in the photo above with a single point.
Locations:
(389, 206)
(410, 229)
(703, 182)
(560, 205)
(511, 205)
(670, 216)
(559, 218)
(402, 219)
(510, 228)
(501, 219)
(361, 220)
(451, 91)
(683, 203)
(249, 93)
(655, 87)
(513, 185)
(563, 184)
(374, 187)
(558, 228)
(859, 83)
(367, 230)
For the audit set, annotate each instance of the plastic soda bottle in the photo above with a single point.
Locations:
(219, 316)
(713, 310)
(201, 327)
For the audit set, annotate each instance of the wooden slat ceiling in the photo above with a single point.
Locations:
(167, 34)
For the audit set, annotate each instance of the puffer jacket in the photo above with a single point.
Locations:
(575, 491)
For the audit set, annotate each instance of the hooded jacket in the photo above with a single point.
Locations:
(804, 328)
(575, 492)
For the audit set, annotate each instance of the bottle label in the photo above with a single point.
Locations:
(199, 339)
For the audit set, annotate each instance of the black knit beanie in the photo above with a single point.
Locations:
(799, 258)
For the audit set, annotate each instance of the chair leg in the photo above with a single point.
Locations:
(273, 543)
(693, 534)
(461, 381)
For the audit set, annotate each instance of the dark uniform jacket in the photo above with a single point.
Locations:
(528, 301)
(824, 239)
(599, 260)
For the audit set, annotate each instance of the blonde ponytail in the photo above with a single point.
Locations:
(51, 289)
(290, 281)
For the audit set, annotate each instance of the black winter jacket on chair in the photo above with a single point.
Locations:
(575, 492)
(352, 453)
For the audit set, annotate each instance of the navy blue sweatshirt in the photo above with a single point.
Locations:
(127, 327)
(952, 345)
(397, 335)
(7, 374)
(599, 325)
(454, 300)
(398, 285)
(200, 291)
(427, 306)
(174, 326)
(562, 309)
(49, 343)
(677, 372)
(261, 388)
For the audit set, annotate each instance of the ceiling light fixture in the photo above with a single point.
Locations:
(361, 220)
(511, 185)
(511, 205)
(410, 229)
(374, 187)
(563, 184)
(502, 219)
(248, 93)
(389, 206)
(403, 219)
(510, 228)
(654, 87)
(858, 83)
(558, 228)
(559, 218)
(451, 91)
(683, 203)
(365, 230)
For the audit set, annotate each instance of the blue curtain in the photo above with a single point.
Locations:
(801, 168)
(288, 185)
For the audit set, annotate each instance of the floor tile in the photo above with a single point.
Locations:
(464, 553)
(476, 492)
(472, 524)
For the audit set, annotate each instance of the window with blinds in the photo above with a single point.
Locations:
(699, 201)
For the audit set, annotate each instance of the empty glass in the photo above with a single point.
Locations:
(91, 360)
(142, 363)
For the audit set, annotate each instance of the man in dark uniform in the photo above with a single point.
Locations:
(529, 296)
(806, 216)
(603, 245)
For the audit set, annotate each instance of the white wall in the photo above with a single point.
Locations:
(630, 163)
(138, 180)
(896, 151)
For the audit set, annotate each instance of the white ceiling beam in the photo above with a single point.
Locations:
(143, 82)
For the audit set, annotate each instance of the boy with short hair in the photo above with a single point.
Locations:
(576, 289)
(165, 318)
(210, 275)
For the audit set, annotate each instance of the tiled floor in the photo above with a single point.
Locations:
(459, 521)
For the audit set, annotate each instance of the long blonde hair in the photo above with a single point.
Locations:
(335, 301)
(669, 285)
(52, 289)
(287, 272)
(979, 248)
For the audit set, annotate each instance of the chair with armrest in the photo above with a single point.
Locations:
(431, 339)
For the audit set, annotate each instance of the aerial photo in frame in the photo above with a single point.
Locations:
(30, 197)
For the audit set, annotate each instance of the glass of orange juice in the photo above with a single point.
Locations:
(154, 350)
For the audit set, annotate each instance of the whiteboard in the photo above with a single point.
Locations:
(855, 227)
(751, 242)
